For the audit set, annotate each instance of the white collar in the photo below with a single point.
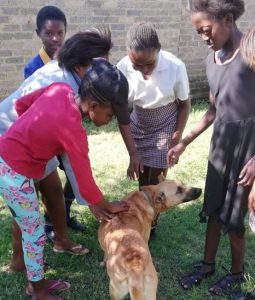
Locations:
(160, 66)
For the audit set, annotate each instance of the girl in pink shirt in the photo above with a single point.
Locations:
(56, 114)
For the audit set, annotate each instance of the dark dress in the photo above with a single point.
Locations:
(233, 141)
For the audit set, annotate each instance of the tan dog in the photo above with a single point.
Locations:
(124, 239)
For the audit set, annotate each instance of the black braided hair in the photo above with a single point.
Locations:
(142, 36)
(105, 82)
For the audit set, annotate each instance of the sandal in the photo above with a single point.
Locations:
(222, 286)
(195, 278)
(75, 250)
(53, 286)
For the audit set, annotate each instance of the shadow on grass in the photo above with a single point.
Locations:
(178, 243)
(196, 106)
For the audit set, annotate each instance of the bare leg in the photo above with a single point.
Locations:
(236, 276)
(68, 199)
(51, 189)
(40, 291)
(212, 239)
(17, 261)
(150, 176)
(237, 244)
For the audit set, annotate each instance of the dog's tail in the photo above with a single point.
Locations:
(141, 285)
(136, 265)
(136, 286)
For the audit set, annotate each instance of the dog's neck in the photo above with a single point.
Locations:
(148, 198)
(150, 201)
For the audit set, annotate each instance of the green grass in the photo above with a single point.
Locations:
(179, 239)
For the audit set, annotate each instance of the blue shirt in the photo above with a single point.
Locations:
(36, 63)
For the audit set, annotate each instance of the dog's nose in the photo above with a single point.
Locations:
(196, 192)
(193, 194)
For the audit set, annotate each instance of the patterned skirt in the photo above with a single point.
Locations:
(152, 130)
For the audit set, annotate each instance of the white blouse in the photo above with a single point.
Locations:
(168, 82)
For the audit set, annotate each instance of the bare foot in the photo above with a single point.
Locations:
(64, 244)
(42, 289)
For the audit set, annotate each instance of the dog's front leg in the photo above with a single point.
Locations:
(103, 263)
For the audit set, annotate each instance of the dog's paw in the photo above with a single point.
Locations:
(102, 264)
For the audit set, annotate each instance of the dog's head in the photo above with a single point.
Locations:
(169, 193)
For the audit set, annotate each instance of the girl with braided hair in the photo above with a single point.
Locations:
(230, 171)
(57, 113)
(158, 97)
(74, 59)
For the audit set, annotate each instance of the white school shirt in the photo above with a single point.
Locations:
(168, 82)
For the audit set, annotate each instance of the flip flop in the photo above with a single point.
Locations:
(75, 250)
(54, 286)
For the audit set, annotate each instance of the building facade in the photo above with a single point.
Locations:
(18, 40)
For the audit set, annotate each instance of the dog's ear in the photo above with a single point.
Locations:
(161, 177)
(160, 198)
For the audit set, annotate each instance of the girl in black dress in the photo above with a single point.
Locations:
(230, 165)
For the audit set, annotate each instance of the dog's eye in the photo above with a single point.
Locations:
(179, 190)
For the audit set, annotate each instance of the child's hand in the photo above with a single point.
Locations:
(135, 166)
(100, 213)
(174, 154)
(247, 174)
(105, 210)
(117, 206)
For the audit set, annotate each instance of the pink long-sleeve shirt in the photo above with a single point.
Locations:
(50, 123)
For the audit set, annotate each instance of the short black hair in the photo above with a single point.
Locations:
(49, 12)
(142, 36)
(83, 46)
(218, 8)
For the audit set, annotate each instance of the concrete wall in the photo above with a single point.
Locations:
(18, 40)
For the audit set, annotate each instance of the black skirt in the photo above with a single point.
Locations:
(232, 146)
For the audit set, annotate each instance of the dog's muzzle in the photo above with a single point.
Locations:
(192, 194)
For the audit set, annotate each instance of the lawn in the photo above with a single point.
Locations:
(179, 238)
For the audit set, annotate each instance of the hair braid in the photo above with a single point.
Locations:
(142, 36)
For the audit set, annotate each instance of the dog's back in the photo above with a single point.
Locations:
(129, 263)
(125, 239)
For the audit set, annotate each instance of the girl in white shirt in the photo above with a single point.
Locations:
(158, 97)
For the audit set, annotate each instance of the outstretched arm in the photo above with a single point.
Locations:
(204, 123)
(135, 163)
(182, 117)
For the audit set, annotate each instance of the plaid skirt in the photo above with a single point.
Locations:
(152, 130)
